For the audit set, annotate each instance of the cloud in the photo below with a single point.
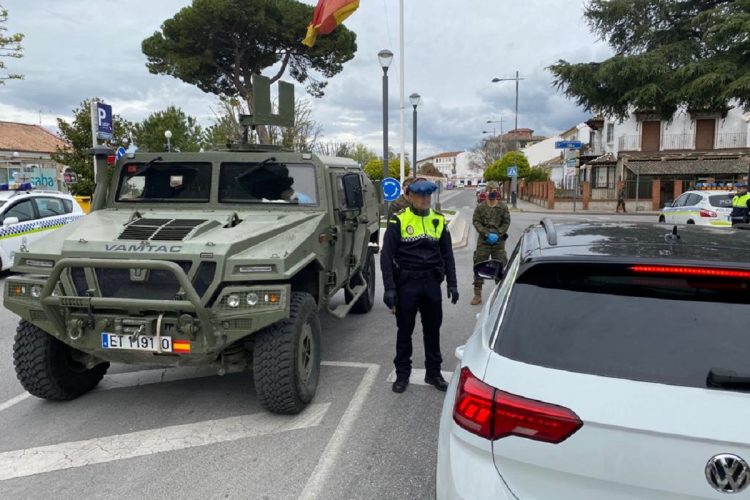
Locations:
(80, 49)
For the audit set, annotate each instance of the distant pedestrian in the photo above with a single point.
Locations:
(491, 220)
(740, 204)
(621, 200)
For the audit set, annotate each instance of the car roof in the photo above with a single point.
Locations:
(709, 192)
(10, 194)
(638, 241)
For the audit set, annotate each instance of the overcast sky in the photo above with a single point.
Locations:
(77, 49)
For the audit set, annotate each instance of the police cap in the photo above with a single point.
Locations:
(422, 187)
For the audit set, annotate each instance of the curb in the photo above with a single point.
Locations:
(585, 212)
(459, 230)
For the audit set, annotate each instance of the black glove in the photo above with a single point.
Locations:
(390, 298)
(453, 294)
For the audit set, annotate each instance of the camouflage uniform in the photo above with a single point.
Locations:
(396, 206)
(487, 220)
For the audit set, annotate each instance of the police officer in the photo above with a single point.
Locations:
(403, 201)
(740, 202)
(417, 254)
(491, 220)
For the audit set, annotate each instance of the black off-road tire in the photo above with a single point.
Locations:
(46, 368)
(286, 358)
(367, 300)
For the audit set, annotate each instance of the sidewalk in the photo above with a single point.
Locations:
(526, 206)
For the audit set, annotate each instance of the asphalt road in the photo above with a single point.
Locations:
(148, 433)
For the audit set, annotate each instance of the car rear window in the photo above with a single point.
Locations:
(612, 321)
(720, 200)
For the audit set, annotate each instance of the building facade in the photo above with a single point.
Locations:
(26, 152)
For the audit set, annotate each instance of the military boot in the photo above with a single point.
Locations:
(477, 299)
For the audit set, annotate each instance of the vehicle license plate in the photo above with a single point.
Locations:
(132, 343)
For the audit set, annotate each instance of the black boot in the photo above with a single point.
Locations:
(400, 385)
(437, 381)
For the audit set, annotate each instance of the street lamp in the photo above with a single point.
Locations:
(168, 135)
(516, 79)
(414, 99)
(385, 57)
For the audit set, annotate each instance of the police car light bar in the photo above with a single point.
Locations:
(26, 186)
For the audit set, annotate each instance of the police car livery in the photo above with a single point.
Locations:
(700, 207)
(26, 215)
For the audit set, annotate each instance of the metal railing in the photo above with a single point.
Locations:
(727, 140)
(677, 141)
(629, 143)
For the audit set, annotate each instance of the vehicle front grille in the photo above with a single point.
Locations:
(155, 284)
(159, 229)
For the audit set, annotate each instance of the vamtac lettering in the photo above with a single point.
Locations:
(143, 247)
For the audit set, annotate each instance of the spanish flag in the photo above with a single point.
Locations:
(328, 14)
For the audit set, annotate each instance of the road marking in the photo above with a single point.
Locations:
(317, 480)
(134, 379)
(417, 376)
(22, 463)
(14, 401)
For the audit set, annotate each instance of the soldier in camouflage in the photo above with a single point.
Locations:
(491, 220)
(403, 201)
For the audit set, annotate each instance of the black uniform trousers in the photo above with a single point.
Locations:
(421, 295)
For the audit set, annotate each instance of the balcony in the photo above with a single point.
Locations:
(729, 140)
(724, 140)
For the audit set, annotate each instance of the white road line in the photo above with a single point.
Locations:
(21, 463)
(417, 376)
(133, 379)
(317, 480)
(14, 401)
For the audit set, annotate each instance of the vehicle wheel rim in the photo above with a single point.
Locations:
(306, 354)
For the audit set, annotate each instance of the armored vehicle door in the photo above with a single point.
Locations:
(351, 246)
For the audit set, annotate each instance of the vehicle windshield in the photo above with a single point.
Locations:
(171, 182)
(606, 321)
(271, 182)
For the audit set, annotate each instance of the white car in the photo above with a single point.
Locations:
(703, 208)
(26, 216)
(609, 364)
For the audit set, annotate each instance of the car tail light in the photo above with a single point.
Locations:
(692, 271)
(707, 213)
(494, 414)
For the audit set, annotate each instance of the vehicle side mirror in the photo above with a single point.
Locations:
(489, 270)
(10, 220)
(354, 199)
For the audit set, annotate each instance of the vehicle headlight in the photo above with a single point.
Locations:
(36, 291)
(233, 301)
(252, 298)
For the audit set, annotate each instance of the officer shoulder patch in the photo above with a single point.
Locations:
(409, 230)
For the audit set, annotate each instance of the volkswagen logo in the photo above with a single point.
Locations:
(727, 473)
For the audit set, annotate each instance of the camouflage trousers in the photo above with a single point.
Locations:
(485, 251)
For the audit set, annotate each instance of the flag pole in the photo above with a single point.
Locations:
(401, 41)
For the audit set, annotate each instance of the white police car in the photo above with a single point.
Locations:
(26, 215)
(704, 208)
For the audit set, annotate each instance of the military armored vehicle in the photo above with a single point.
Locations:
(221, 258)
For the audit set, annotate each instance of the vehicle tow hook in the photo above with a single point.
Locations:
(158, 333)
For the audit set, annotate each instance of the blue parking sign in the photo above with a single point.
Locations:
(103, 121)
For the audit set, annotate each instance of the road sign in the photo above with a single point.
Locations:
(120, 152)
(391, 189)
(570, 162)
(568, 144)
(103, 121)
(513, 171)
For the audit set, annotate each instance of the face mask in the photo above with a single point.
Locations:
(492, 196)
